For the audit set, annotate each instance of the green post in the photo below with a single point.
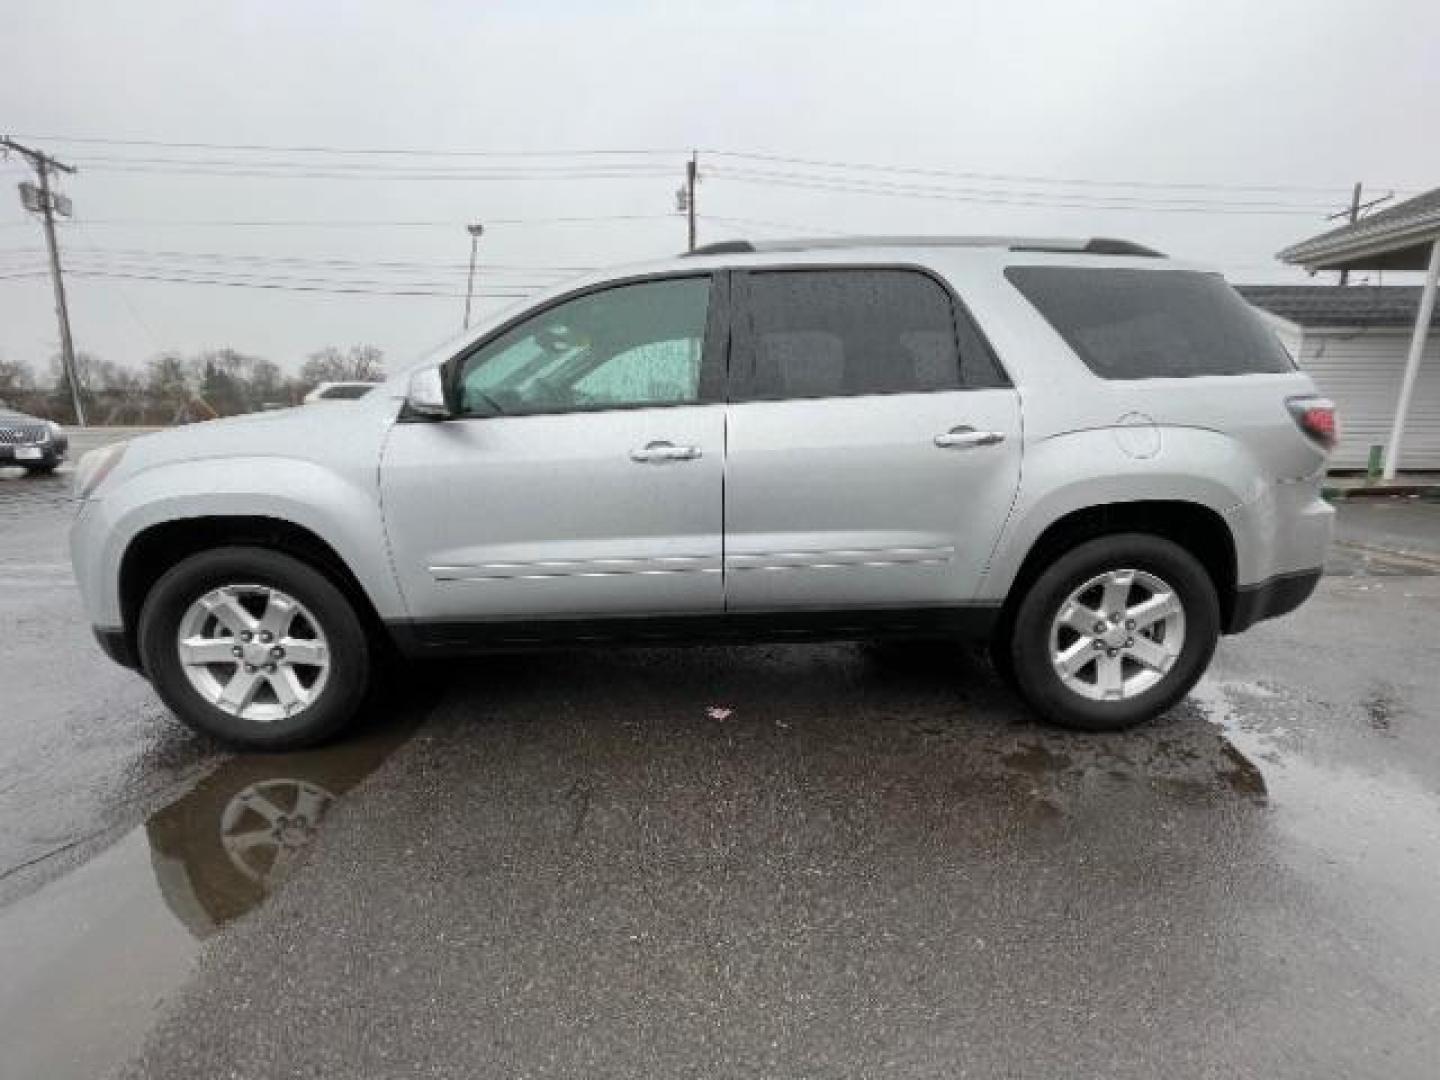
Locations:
(1377, 459)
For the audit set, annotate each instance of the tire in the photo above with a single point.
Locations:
(43, 469)
(288, 702)
(1089, 700)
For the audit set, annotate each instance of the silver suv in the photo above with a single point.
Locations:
(1093, 457)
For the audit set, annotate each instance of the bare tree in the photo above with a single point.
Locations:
(362, 363)
(16, 375)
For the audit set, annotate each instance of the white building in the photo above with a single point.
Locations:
(1354, 342)
(1357, 367)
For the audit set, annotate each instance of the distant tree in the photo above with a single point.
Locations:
(362, 363)
(166, 377)
(266, 384)
(16, 375)
(98, 378)
(222, 391)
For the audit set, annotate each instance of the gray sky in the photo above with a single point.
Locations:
(1300, 98)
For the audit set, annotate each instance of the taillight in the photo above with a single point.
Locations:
(1316, 417)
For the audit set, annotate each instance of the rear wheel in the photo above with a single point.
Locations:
(1116, 631)
(254, 647)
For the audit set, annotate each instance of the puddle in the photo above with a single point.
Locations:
(94, 953)
(1370, 836)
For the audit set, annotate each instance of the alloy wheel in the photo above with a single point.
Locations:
(1117, 635)
(254, 652)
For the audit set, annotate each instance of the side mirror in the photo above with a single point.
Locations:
(426, 394)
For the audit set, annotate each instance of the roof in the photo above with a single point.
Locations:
(1380, 306)
(1396, 238)
(1091, 246)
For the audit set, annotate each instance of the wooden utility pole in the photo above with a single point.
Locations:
(44, 165)
(685, 197)
(691, 168)
(1354, 217)
(476, 231)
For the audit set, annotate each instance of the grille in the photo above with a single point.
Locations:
(15, 434)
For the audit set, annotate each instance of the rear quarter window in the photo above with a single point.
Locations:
(1152, 324)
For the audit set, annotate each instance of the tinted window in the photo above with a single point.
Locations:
(1150, 324)
(346, 393)
(836, 333)
(633, 345)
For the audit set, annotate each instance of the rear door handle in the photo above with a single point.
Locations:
(662, 451)
(964, 437)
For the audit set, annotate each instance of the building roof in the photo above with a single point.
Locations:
(1340, 305)
(1396, 238)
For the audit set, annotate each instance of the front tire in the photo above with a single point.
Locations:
(255, 648)
(1114, 633)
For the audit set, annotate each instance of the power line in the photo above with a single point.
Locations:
(358, 151)
(510, 171)
(171, 255)
(992, 197)
(900, 186)
(601, 152)
(766, 223)
(1019, 179)
(273, 172)
(151, 223)
(302, 285)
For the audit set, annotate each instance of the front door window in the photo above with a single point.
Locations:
(631, 346)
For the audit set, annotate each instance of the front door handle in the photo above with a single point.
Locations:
(964, 437)
(662, 451)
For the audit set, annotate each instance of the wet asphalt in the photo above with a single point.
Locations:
(780, 861)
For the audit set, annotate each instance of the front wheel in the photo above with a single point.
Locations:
(1116, 631)
(254, 647)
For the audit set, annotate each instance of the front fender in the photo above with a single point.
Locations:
(341, 508)
(1080, 470)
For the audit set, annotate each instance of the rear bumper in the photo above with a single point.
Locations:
(1271, 598)
(116, 645)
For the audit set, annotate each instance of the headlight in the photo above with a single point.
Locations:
(93, 467)
(56, 431)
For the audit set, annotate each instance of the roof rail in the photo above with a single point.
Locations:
(1100, 245)
(1094, 246)
(724, 247)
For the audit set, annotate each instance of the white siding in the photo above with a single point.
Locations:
(1361, 370)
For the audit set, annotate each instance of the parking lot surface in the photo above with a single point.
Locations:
(780, 861)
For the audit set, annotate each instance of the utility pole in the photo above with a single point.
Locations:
(1352, 214)
(47, 202)
(475, 230)
(685, 197)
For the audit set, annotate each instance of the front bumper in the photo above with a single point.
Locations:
(117, 646)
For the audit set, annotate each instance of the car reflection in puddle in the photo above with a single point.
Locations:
(222, 847)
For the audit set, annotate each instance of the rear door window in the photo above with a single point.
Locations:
(843, 333)
(1152, 324)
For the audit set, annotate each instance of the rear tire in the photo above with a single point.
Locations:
(296, 680)
(1080, 666)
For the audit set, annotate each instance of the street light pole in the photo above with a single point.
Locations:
(476, 231)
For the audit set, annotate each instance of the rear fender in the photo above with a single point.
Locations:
(1081, 470)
